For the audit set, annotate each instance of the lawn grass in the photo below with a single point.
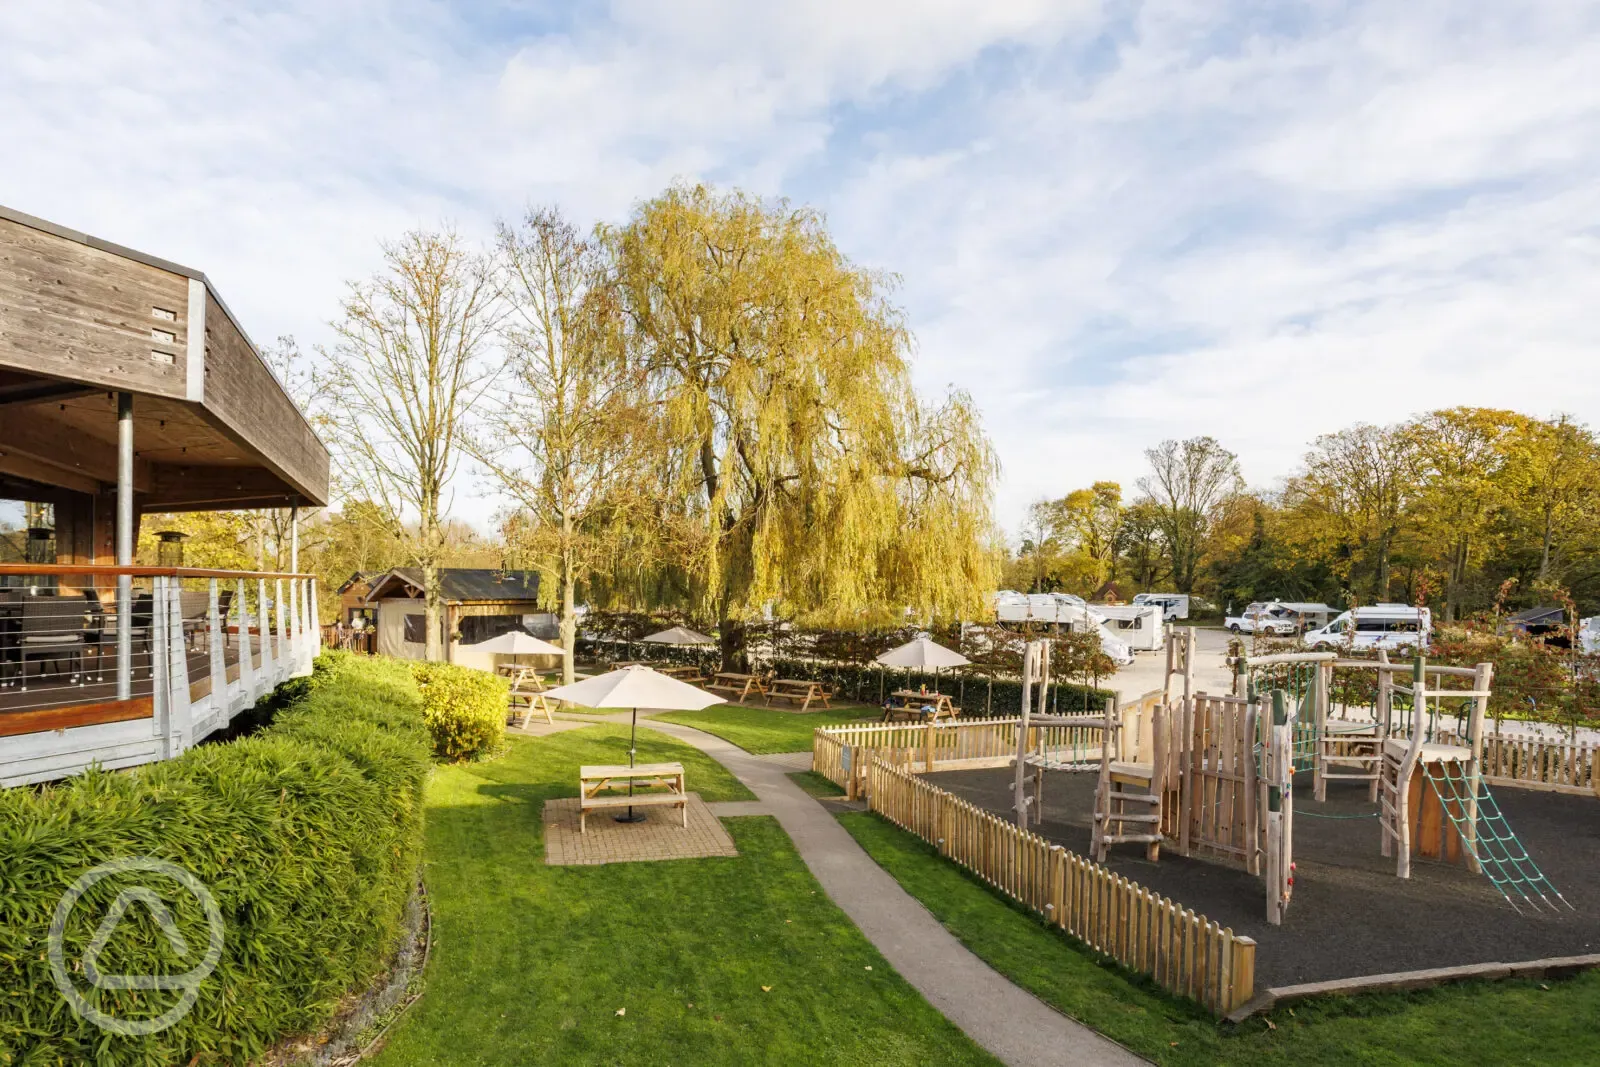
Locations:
(816, 785)
(531, 964)
(763, 730)
(1509, 1022)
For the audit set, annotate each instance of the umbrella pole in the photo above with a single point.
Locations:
(633, 745)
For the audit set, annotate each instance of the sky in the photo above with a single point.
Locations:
(1113, 223)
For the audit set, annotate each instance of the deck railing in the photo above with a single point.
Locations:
(128, 665)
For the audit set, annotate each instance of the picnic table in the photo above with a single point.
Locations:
(527, 697)
(905, 705)
(684, 672)
(593, 780)
(739, 686)
(799, 691)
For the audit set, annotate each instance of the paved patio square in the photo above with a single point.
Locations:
(661, 836)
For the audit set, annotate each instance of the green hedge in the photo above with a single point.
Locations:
(308, 835)
(973, 694)
(465, 709)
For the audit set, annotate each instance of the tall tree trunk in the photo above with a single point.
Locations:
(569, 618)
(433, 612)
(1544, 554)
(1381, 583)
(432, 591)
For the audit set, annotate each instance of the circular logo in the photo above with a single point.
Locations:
(189, 981)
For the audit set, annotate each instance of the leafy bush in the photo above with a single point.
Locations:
(465, 709)
(307, 834)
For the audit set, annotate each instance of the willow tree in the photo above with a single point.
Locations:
(562, 431)
(405, 371)
(798, 468)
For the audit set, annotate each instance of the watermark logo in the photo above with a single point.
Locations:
(151, 901)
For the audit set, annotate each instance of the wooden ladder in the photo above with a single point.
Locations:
(1127, 808)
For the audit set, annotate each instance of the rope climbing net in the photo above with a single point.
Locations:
(1299, 683)
(1497, 850)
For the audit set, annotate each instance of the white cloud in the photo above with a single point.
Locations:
(1114, 224)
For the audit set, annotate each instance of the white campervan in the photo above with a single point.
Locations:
(1378, 626)
(1173, 605)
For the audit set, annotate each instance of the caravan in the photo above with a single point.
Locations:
(1142, 626)
(1173, 605)
(1379, 626)
(1064, 610)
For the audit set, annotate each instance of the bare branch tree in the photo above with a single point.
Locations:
(402, 378)
(563, 434)
(1187, 480)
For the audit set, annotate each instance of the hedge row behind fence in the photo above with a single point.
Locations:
(975, 696)
(307, 834)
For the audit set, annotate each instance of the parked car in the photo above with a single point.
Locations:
(1378, 626)
(1264, 618)
(1175, 605)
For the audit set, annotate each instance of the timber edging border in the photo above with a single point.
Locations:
(1396, 981)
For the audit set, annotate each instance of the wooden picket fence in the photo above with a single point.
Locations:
(1182, 951)
(1527, 762)
(843, 753)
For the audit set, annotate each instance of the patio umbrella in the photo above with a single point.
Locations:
(680, 635)
(922, 654)
(520, 643)
(634, 688)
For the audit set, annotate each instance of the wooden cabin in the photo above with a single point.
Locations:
(479, 604)
(128, 387)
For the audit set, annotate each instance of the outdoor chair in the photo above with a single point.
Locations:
(142, 618)
(53, 631)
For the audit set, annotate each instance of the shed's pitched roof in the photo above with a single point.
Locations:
(1542, 613)
(461, 585)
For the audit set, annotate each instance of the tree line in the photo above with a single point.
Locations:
(1466, 509)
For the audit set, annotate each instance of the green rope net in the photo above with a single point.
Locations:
(1502, 857)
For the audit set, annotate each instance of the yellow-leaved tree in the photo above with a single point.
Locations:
(797, 468)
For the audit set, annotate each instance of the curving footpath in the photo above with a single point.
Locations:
(1008, 1021)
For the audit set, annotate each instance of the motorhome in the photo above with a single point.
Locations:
(1142, 626)
(1378, 626)
(1175, 605)
(1064, 610)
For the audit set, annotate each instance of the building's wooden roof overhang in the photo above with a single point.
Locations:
(82, 319)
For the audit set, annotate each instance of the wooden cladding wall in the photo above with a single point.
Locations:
(72, 311)
(1181, 950)
(241, 391)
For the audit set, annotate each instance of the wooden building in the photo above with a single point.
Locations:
(478, 604)
(128, 387)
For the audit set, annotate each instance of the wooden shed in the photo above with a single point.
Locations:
(479, 603)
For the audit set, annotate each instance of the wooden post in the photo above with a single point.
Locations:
(1280, 764)
(1481, 680)
(1319, 714)
(1019, 798)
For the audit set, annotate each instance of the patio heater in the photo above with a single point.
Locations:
(169, 548)
(40, 547)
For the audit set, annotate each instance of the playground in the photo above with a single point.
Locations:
(1333, 819)
(1351, 916)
